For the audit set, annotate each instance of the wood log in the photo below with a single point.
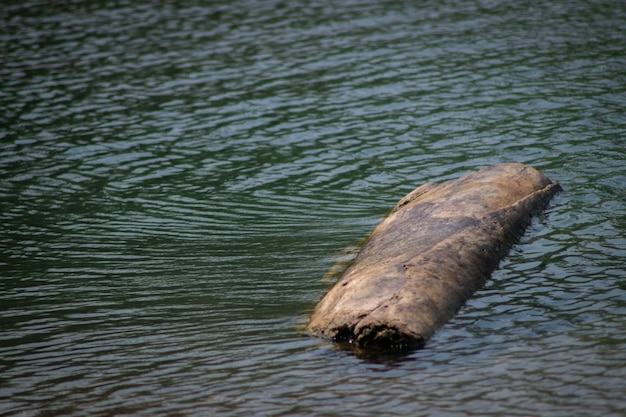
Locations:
(435, 249)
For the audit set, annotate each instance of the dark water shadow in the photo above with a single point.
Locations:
(378, 355)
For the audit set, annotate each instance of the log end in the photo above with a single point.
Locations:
(381, 337)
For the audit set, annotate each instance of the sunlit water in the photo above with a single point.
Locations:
(176, 178)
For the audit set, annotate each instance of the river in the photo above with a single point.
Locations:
(177, 177)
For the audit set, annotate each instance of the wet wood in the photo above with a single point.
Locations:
(436, 248)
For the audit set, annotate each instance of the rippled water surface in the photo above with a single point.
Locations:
(176, 178)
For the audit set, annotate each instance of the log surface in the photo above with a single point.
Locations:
(435, 249)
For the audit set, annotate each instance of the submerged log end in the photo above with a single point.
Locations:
(379, 336)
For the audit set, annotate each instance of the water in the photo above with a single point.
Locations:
(176, 178)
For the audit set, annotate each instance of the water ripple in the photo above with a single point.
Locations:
(175, 180)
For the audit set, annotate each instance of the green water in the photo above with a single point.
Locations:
(177, 177)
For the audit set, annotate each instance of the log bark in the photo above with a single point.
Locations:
(435, 249)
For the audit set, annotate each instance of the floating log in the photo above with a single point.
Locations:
(435, 249)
